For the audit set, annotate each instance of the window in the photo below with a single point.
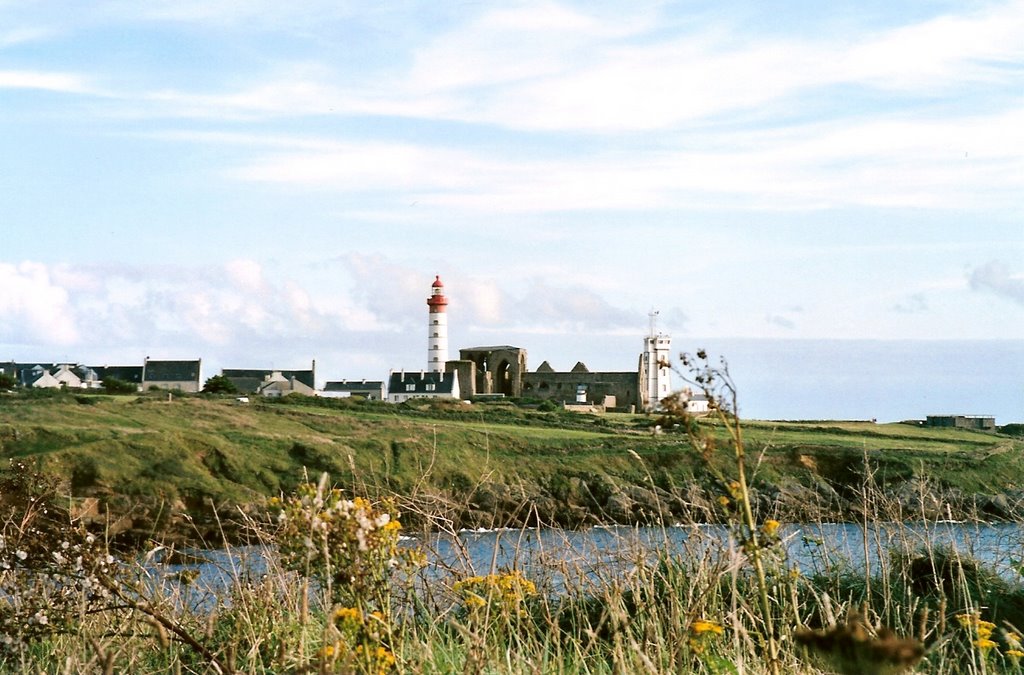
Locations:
(435, 335)
(410, 387)
(431, 387)
(436, 322)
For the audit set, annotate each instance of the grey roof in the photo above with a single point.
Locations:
(363, 385)
(250, 379)
(23, 371)
(444, 383)
(171, 371)
(131, 374)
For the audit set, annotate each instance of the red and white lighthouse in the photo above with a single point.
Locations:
(437, 327)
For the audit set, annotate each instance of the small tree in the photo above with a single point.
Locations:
(6, 381)
(115, 386)
(219, 384)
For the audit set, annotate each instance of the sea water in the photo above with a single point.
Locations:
(558, 559)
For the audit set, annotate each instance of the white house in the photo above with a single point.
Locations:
(67, 377)
(276, 385)
(371, 390)
(403, 386)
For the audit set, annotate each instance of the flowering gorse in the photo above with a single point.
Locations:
(702, 633)
(355, 642)
(349, 546)
(979, 630)
(495, 596)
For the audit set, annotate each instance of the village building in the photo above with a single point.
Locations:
(128, 374)
(38, 377)
(276, 385)
(404, 386)
(183, 376)
(49, 375)
(371, 390)
(249, 380)
(976, 422)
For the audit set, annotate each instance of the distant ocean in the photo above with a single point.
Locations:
(868, 379)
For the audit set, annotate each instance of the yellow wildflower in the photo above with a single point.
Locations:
(984, 644)
(1014, 653)
(770, 527)
(723, 500)
(348, 614)
(385, 657)
(701, 626)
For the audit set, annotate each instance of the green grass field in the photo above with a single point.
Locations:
(191, 450)
(722, 606)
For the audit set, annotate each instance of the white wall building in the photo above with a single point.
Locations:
(655, 366)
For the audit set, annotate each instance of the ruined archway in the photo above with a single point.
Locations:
(499, 369)
(503, 379)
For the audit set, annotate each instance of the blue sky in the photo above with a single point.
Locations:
(263, 183)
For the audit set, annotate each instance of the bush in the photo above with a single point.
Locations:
(219, 384)
(115, 386)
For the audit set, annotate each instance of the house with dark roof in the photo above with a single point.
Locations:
(977, 422)
(25, 374)
(183, 376)
(66, 376)
(404, 386)
(49, 375)
(371, 390)
(249, 380)
(276, 385)
(38, 377)
(34, 375)
(129, 374)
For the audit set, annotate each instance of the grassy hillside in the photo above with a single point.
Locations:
(488, 458)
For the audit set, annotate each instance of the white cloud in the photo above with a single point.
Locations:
(575, 73)
(484, 301)
(34, 308)
(566, 309)
(246, 274)
(551, 66)
(996, 277)
(895, 162)
(46, 81)
(20, 36)
(942, 52)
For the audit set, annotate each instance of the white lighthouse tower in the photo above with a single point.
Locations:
(437, 328)
(655, 366)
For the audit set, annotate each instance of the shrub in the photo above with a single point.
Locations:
(349, 546)
(115, 386)
(219, 384)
